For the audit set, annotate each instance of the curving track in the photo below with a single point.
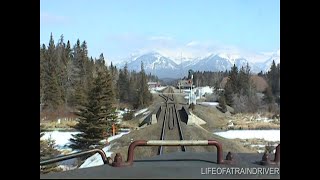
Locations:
(171, 129)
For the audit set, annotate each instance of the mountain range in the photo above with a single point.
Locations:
(170, 67)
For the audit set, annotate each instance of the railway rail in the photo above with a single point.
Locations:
(171, 128)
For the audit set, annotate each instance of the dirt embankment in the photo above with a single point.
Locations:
(217, 121)
(191, 132)
(152, 132)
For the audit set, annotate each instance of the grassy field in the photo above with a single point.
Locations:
(54, 125)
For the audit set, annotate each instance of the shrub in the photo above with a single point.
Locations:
(128, 116)
(192, 106)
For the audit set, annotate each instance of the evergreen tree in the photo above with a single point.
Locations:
(115, 77)
(69, 82)
(97, 116)
(78, 75)
(91, 117)
(274, 78)
(110, 98)
(52, 95)
(123, 84)
(47, 151)
(133, 91)
(268, 97)
(42, 73)
(228, 93)
(244, 80)
(144, 95)
(233, 79)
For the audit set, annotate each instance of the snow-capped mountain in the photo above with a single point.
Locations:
(164, 67)
(212, 63)
(154, 63)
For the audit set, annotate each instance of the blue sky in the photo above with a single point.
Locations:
(118, 28)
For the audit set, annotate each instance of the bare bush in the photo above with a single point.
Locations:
(246, 104)
(192, 106)
(128, 116)
(211, 97)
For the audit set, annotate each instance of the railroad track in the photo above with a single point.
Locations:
(171, 128)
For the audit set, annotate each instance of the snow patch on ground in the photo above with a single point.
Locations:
(157, 89)
(61, 139)
(208, 103)
(96, 159)
(268, 135)
(140, 112)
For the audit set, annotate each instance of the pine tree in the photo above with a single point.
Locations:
(97, 116)
(69, 83)
(133, 93)
(268, 97)
(79, 95)
(244, 80)
(228, 93)
(233, 79)
(42, 73)
(123, 84)
(274, 78)
(47, 151)
(144, 95)
(115, 77)
(52, 92)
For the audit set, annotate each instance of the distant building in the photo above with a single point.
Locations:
(184, 84)
(153, 85)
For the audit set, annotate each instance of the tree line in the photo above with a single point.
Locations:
(72, 82)
(67, 76)
(240, 91)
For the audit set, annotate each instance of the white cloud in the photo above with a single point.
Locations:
(193, 43)
(51, 18)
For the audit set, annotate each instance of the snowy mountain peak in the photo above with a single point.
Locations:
(164, 66)
(230, 57)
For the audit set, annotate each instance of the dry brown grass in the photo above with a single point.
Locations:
(133, 123)
(249, 121)
(54, 124)
(214, 118)
(217, 120)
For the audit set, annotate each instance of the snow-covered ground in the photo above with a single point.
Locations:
(268, 135)
(62, 142)
(61, 139)
(96, 159)
(208, 103)
(160, 88)
(200, 91)
(157, 89)
(186, 91)
(140, 112)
